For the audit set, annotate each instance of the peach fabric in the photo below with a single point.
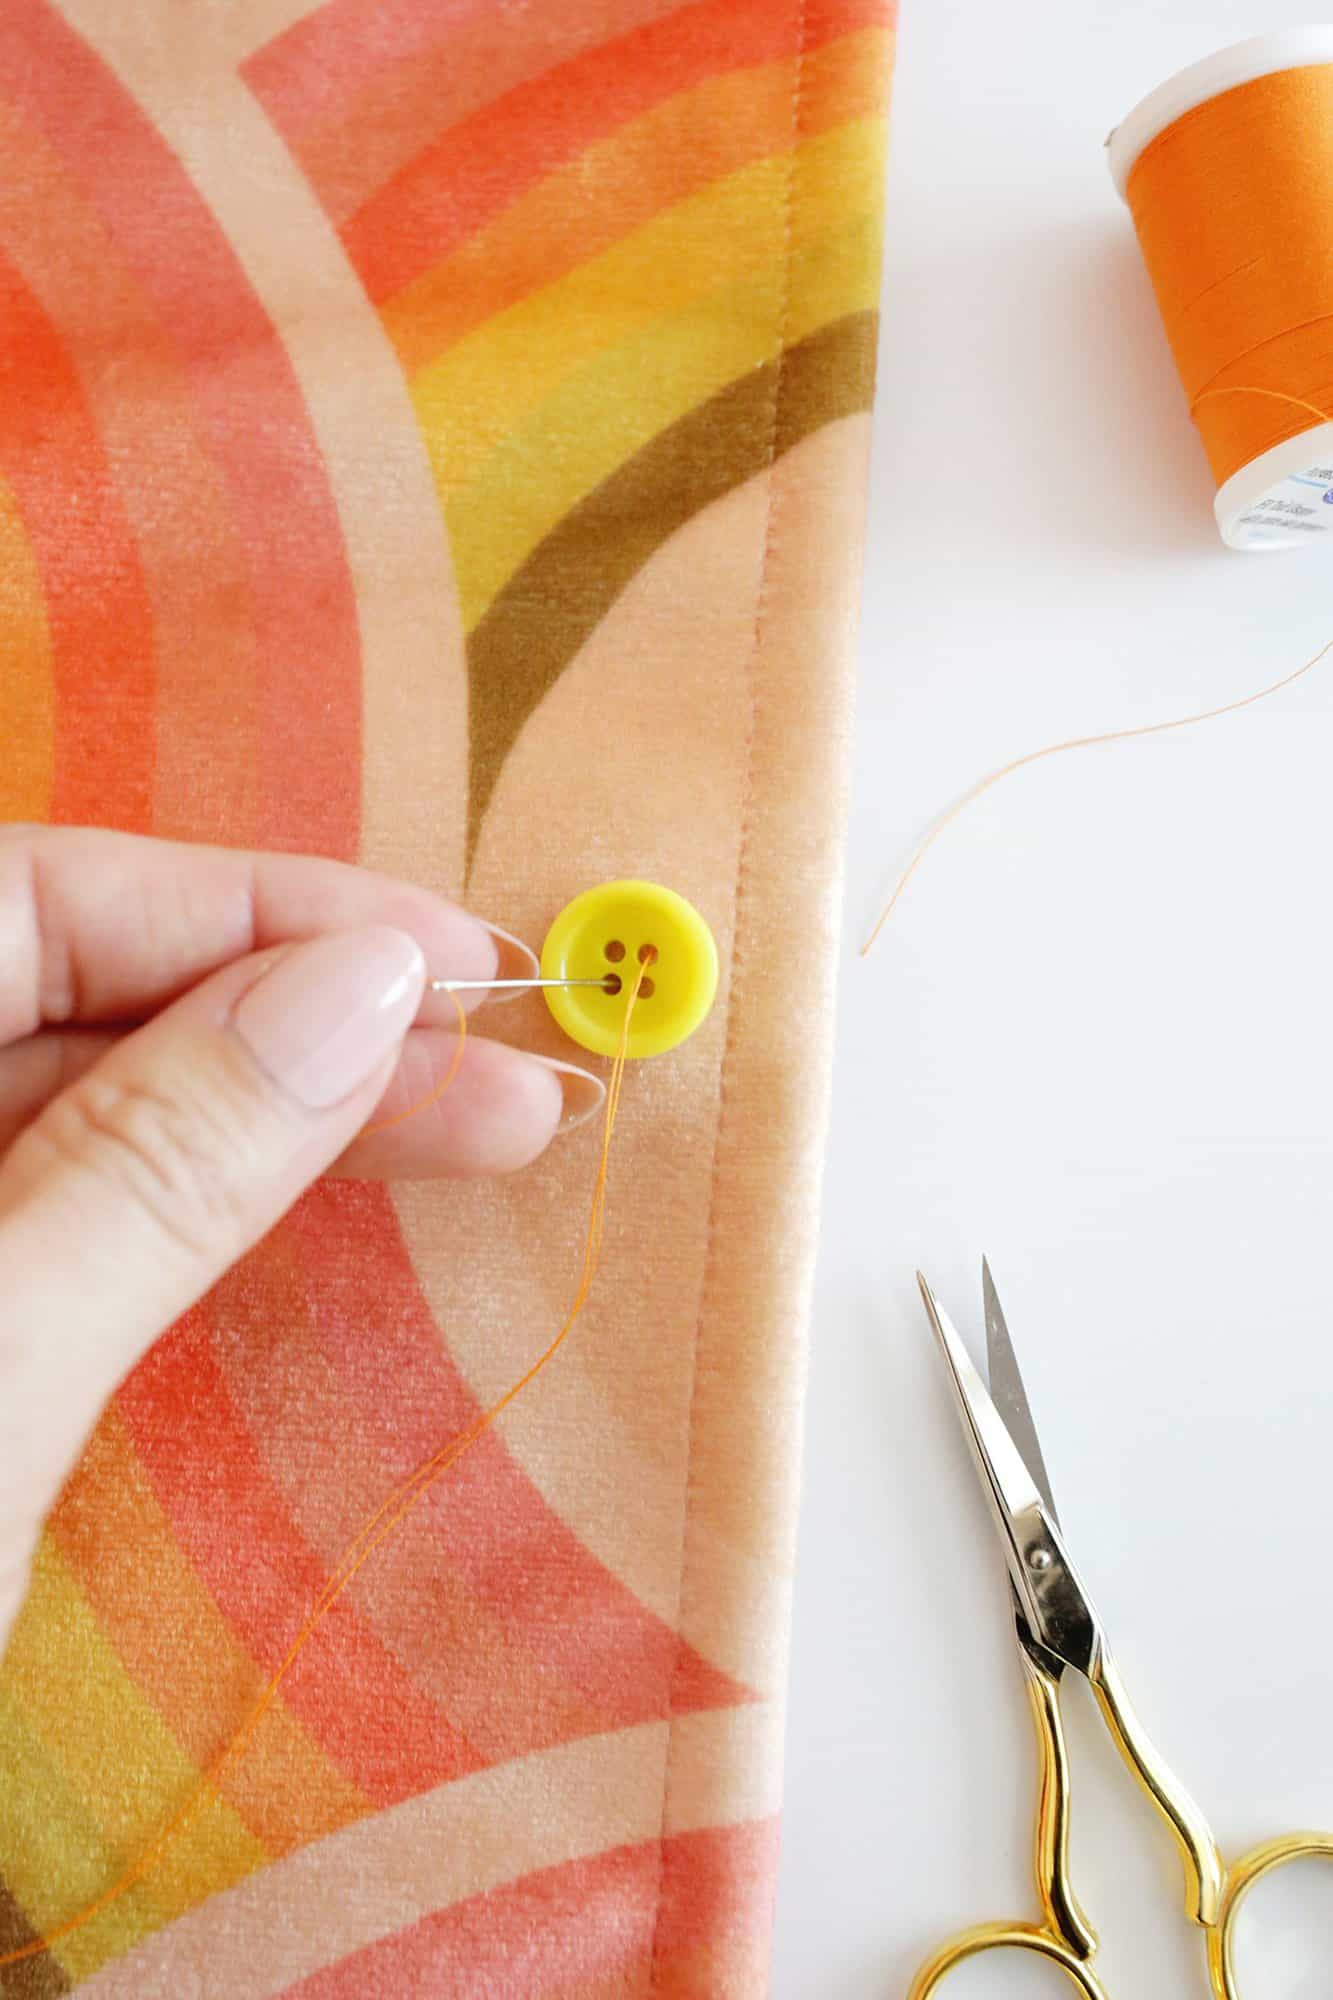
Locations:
(433, 433)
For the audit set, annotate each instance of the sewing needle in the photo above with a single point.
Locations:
(520, 985)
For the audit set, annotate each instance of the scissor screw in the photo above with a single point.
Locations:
(1039, 1558)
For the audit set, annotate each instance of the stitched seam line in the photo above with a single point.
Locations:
(739, 894)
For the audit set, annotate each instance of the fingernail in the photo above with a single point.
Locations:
(584, 1093)
(324, 1019)
(513, 960)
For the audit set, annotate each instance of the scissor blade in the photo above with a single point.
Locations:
(1007, 1479)
(1007, 1391)
(1054, 1606)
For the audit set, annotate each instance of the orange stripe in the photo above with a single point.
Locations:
(236, 1533)
(174, 500)
(478, 167)
(120, 1548)
(649, 165)
(464, 1655)
(97, 609)
(715, 1909)
(560, 1931)
(27, 693)
(357, 91)
(691, 1914)
(585, 1626)
(355, 116)
(250, 409)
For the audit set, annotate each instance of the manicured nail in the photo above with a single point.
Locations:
(584, 1093)
(514, 960)
(330, 1012)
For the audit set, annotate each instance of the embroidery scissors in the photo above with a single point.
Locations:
(1058, 1630)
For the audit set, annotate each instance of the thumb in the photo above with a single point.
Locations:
(143, 1182)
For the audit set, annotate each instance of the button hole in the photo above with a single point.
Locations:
(615, 951)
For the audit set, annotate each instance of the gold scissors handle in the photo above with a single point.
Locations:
(1241, 1878)
(1066, 1938)
(1213, 1894)
(1006, 1937)
(1060, 1906)
(1204, 1873)
(1058, 1631)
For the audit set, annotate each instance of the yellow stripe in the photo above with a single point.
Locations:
(469, 400)
(51, 1856)
(286, 1789)
(121, 1775)
(614, 375)
(619, 403)
(27, 690)
(477, 393)
(742, 115)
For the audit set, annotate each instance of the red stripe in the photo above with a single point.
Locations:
(355, 115)
(485, 1518)
(288, 1391)
(314, 72)
(129, 1567)
(235, 1530)
(715, 1910)
(252, 415)
(96, 603)
(173, 496)
(698, 142)
(481, 165)
(560, 1931)
(691, 1914)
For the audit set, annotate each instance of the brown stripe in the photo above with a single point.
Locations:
(38, 1978)
(566, 587)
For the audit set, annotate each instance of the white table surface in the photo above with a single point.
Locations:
(1096, 1042)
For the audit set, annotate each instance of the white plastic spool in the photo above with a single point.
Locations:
(1284, 498)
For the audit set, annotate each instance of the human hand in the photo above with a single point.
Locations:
(190, 1036)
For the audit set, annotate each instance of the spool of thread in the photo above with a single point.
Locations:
(1227, 169)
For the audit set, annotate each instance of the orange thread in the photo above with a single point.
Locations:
(401, 1117)
(1231, 203)
(382, 1522)
(984, 785)
(1252, 290)
(1276, 395)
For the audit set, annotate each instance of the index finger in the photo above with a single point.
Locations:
(101, 926)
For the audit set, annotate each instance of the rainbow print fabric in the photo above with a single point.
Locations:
(432, 432)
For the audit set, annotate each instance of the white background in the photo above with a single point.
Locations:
(1096, 1042)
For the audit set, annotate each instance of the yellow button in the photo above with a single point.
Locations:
(615, 929)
